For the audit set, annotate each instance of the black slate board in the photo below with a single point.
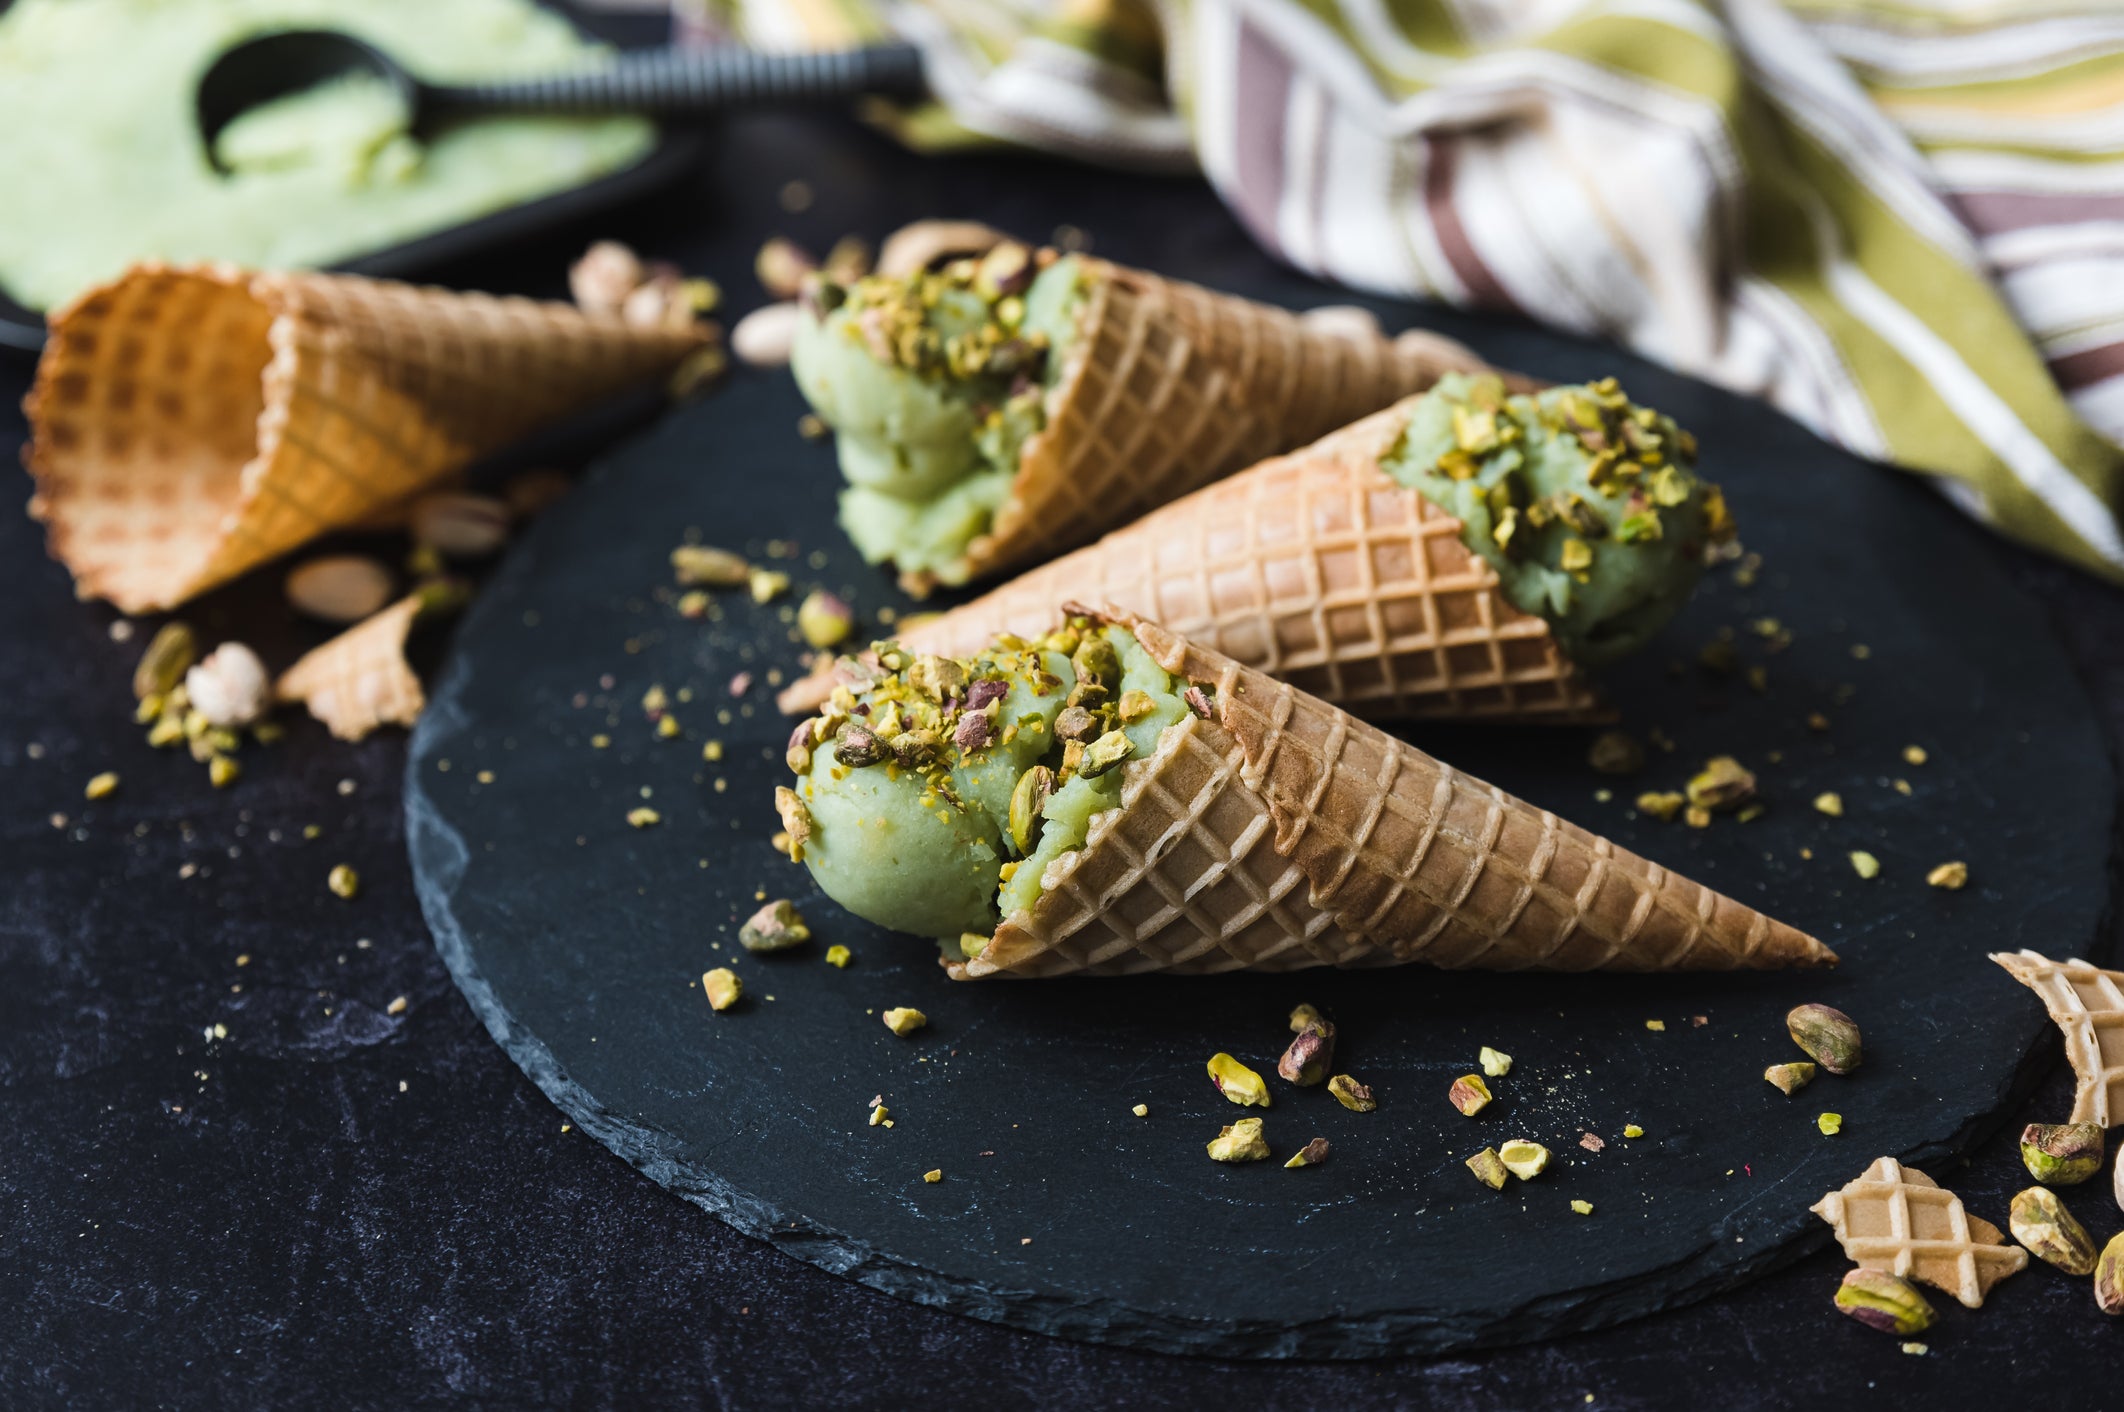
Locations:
(580, 940)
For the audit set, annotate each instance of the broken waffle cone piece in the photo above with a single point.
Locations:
(1279, 832)
(1169, 386)
(1320, 569)
(1895, 1218)
(2088, 1005)
(188, 424)
(359, 680)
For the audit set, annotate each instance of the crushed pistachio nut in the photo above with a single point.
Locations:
(1469, 1094)
(766, 585)
(1141, 1110)
(1351, 1094)
(879, 1114)
(643, 817)
(1592, 1142)
(1830, 1037)
(1789, 1078)
(1616, 753)
(1829, 802)
(101, 786)
(1489, 1168)
(2062, 1154)
(1237, 1082)
(1656, 1026)
(1311, 1052)
(1952, 876)
(1495, 1062)
(1241, 1142)
(1583, 1208)
(2040, 1221)
(777, 926)
(933, 1175)
(1883, 1301)
(1830, 1123)
(1524, 1159)
(1722, 784)
(722, 987)
(796, 818)
(169, 655)
(1660, 805)
(905, 1020)
(1302, 1016)
(1310, 1155)
(1632, 1130)
(343, 881)
(1865, 864)
(824, 620)
(1914, 754)
(837, 956)
(717, 568)
(223, 771)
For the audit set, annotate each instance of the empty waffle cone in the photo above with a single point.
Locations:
(359, 680)
(1280, 832)
(1895, 1218)
(1169, 386)
(1319, 569)
(190, 424)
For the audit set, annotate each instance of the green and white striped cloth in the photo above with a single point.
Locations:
(1902, 223)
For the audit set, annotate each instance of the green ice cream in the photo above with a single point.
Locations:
(933, 382)
(104, 157)
(934, 799)
(1588, 506)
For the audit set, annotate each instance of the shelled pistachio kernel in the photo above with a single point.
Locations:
(776, 926)
(1524, 1159)
(1237, 1082)
(905, 1020)
(2040, 1221)
(1141, 1110)
(837, 956)
(343, 880)
(2062, 1154)
(1830, 1123)
(1489, 1168)
(1310, 1155)
(222, 771)
(1829, 1036)
(1953, 876)
(1495, 1062)
(2109, 1276)
(1469, 1094)
(1241, 1142)
(933, 1175)
(1583, 1208)
(1632, 1130)
(1351, 1094)
(1883, 1301)
(102, 786)
(722, 987)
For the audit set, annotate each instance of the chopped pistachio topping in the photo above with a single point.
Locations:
(933, 1175)
(905, 1020)
(1632, 1130)
(1469, 1094)
(1141, 1110)
(343, 881)
(102, 786)
(1790, 1078)
(1830, 1123)
(722, 987)
(1952, 876)
(1660, 805)
(775, 927)
(1237, 1082)
(1241, 1142)
(1583, 1208)
(1831, 803)
(837, 956)
(1723, 783)
(1524, 1159)
(1495, 1062)
(1489, 1169)
(643, 817)
(1351, 1094)
(1310, 1155)
(1865, 864)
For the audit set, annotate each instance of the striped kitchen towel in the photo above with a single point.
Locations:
(1902, 223)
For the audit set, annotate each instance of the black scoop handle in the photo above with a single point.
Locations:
(677, 82)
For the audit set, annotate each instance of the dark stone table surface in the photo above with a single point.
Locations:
(336, 1205)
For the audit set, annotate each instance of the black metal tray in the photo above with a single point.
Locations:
(677, 149)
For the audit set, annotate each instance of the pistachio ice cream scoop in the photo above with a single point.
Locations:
(1587, 505)
(934, 799)
(932, 383)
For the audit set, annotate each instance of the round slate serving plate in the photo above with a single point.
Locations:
(580, 940)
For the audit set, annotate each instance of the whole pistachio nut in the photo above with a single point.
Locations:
(1723, 783)
(1311, 1051)
(1830, 1037)
(1026, 802)
(170, 654)
(1237, 1082)
(824, 620)
(2109, 1276)
(1351, 1094)
(2062, 1154)
(1096, 660)
(1790, 1078)
(1241, 1142)
(775, 927)
(1310, 1155)
(2040, 1221)
(858, 745)
(1523, 1159)
(1489, 1169)
(1883, 1301)
(1469, 1094)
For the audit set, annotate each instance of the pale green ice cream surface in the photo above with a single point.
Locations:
(105, 159)
(1588, 506)
(909, 804)
(932, 384)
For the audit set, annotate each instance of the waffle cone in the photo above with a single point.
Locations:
(1318, 569)
(1895, 1218)
(1281, 832)
(359, 680)
(2088, 1005)
(190, 424)
(1169, 386)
